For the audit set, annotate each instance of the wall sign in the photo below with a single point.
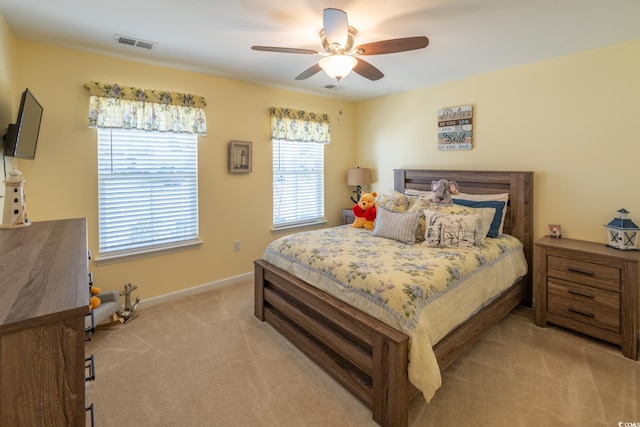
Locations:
(455, 128)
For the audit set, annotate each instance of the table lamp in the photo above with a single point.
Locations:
(358, 177)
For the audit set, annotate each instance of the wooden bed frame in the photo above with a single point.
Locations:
(368, 357)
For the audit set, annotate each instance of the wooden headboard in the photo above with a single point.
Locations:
(519, 185)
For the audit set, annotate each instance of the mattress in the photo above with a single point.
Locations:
(424, 292)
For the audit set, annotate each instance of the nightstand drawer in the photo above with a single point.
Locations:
(584, 272)
(584, 304)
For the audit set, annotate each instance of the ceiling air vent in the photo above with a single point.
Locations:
(130, 41)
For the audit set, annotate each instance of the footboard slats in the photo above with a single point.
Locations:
(317, 353)
(304, 316)
(332, 308)
(366, 356)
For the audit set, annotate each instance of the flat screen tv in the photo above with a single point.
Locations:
(22, 137)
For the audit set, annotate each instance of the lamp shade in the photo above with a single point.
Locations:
(358, 176)
(338, 66)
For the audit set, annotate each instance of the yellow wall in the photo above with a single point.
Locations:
(7, 74)
(573, 120)
(62, 181)
(7, 89)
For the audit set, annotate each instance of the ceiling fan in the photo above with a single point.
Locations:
(340, 57)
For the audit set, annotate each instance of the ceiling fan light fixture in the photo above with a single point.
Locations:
(338, 66)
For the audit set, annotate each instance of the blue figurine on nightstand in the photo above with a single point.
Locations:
(622, 232)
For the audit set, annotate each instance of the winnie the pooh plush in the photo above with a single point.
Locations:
(365, 211)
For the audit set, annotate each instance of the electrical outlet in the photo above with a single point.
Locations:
(236, 246)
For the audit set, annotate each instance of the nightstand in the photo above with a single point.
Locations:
(589, 288)
(347, 216)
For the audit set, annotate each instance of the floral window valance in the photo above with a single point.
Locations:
(125, 107)
(298, 125)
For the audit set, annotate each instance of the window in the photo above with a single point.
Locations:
(298, 183)
(147, 191)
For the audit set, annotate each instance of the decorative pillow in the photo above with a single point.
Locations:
(452, 231)
(394, 201)
(396, 226)
(500, 197)
(497, 221)
(482, 197)
(427, 194)
(422, 203)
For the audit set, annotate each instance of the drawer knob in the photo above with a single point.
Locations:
(582, 294)
(589, 315)
(579, 271)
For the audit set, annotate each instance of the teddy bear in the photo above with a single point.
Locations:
(365, 211)
(443, 190)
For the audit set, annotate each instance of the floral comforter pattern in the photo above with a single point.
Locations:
(401, 279)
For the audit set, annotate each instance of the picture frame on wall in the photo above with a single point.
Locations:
(240, 156)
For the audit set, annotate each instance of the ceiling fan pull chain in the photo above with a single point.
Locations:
(339, 99)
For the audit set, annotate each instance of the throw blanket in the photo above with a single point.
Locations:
(396, 283)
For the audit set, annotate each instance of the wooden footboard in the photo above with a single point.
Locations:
(363, 354)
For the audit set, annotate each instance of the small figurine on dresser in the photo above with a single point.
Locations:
(15, 210)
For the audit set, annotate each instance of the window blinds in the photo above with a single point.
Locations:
(147, 190)
(298, 183)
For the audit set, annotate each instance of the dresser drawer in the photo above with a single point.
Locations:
(584, 304)
(584, 272)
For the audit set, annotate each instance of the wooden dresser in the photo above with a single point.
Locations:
(44, 297)
(590, 288)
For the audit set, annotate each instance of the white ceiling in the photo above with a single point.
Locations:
(467, 37)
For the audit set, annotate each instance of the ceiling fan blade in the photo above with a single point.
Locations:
(392, 46)
(309, 72)
(336, 26)
(367, 70)
(284, 50)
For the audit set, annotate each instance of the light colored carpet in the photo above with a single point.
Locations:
(205, 360)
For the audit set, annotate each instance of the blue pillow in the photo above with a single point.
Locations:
(499, 206)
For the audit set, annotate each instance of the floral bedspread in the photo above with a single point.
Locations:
(396, 282)
(401, 279)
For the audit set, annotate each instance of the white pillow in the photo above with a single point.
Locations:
(396, 226)
(481, 197)
(411, 192)
(453, 230)
(423, 203)
(501, 197)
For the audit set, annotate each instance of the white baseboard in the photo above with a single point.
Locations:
(174, 296)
